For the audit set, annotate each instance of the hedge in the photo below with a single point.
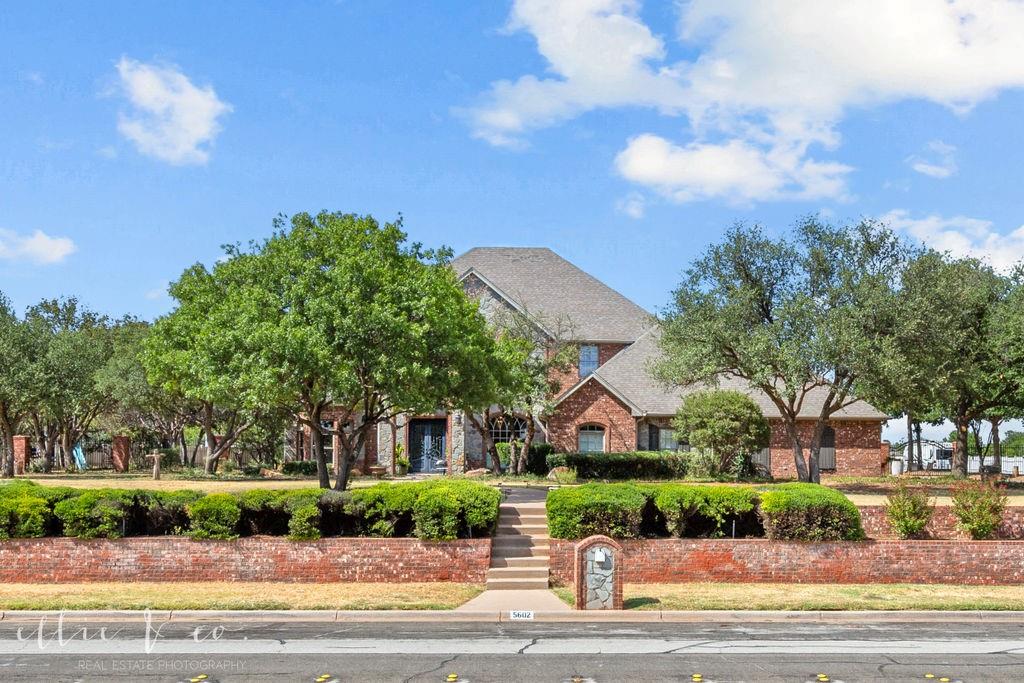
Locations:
(432, 510)
(806, 512)
(619, 466)
(536, 457)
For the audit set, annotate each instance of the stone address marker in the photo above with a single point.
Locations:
(599, 575)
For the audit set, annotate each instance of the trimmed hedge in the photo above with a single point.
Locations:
(619, 466)
(433, 510)
(805, 512)
(809, 512)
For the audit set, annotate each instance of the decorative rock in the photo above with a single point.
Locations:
(478, 472)
(556, 471)
(270, 474)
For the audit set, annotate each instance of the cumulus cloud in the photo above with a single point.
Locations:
(962, 236)
(940, 164)
(171, 118)
(768, 82)
(37, 247)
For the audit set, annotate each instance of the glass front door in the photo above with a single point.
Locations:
(426, 445)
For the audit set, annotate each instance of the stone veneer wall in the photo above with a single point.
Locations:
(256, 558)
(762, 561)
(859, 449)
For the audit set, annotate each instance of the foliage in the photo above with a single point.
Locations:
(214, 516)
(167, 511)
(809, 512)
(302, 468)
(615, 510)
(908, 511)
(618, 466)
(96, 513)
(728, 424)
(24, 516)
(978, 507)
(693, 510)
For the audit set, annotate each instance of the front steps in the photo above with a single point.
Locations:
(520, 552)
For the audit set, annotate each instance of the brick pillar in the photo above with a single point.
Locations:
(226, 454)
(22, 453)
(121, 453)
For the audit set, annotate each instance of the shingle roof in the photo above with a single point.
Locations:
(628, 374)
(545, 284)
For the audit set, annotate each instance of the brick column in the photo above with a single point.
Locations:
(22, 454)
(121, 453)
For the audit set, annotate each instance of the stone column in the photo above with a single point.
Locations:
(599, 573)
(121, 452)
(22, 454)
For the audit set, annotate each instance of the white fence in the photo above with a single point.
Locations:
(974, 464)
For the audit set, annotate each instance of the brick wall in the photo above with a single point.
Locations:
(568, 379)
(257, 558)
(593, 404)
(22, 454)
(942, 524)
(761, 561)
(858, 447)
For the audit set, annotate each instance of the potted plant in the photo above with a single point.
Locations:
(401, 462)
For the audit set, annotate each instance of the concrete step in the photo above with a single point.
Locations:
(521, 530)
(520, 551)
(517, 584)
(518, 541)
(517, 573)
(539, 518)
(525, 561)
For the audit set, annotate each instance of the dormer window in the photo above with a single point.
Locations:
(588, 359)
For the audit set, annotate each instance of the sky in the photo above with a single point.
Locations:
(137, 138)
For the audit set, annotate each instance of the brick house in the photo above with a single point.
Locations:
(609, 402)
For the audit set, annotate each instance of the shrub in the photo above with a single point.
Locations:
(167, 511)
(303, 508)
(978, 508)
(262, 512)
(454, 509)
(693, 510)
(97, 513)
(24, 516)
(504, 453)
(616, 510)
(618, 466)
(299, 468)
(386, 509)
(809, 512)
(214, 516)
(436, 514)
(536, 460)
(908, 511)
(727, 424)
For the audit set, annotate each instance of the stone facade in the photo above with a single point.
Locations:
(598, 574)
(592, 404)
(858, 447)
(761, 561)
(255, 558)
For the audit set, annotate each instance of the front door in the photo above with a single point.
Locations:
(426, 445)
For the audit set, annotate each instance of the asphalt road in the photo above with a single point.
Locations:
(233, 651)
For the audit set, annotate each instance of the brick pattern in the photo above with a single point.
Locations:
(121, 449)
(592, 404)
(942, 524)
(568, 379)
(858, 447)
(22, 453)
(761, 561)
(257, 558)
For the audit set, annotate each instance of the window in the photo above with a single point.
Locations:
(588, 359)
(591, 439)
(327, 426)
(505, 428)
(827, 453)
(662, 439)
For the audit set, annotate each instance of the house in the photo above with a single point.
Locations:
(609, 402)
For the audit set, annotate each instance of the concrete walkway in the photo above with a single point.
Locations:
(539, 600)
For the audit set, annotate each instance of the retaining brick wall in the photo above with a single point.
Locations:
(761, 561)
(942, 524)
(256, 558)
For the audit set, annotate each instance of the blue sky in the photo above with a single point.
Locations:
(137, 138)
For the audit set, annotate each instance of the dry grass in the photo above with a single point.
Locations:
(236, 596)
(761, 596)
(130, 481)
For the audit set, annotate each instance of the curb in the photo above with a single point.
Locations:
(572, 616)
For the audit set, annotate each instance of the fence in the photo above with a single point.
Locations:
(974, 464)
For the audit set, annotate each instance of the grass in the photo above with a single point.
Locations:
(236, 596)
(209, 485)
(797, 597)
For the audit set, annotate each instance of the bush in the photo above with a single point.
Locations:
(303, 508)
(455, 509)
(615, 510)
(978, 508)
(693, 510)
(536, 457)
(300, 468)
(619, 466)
(809, 512)
(97, 513)
(262, 512)
(24, 516)
(214, 516)
(436, 514)
(726, 424)
(386, 509)
(167, 511)
(908, 511)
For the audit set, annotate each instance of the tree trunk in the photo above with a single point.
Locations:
(7, 432)
(908, 450)
(917, 441)
(183, 448)
(798, 450)
(484, 430)
(813, 469)
(959, 467)
(531, 432)
(349, 448)
(67, 446)
(997, 447)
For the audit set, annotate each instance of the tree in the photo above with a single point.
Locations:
(812, 316)
(727, 423)
(18, 356)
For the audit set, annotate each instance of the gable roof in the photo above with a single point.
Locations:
(628, 375)
(546, 285)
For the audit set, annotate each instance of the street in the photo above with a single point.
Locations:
(237, 650)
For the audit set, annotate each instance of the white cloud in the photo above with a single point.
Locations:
(172, 119)
(159, 292)
(633, 205)
(770, 80)
(941, 163)
(962, 236)
(38, 247)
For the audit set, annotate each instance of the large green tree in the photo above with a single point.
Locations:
(811, 314)
(18, 357)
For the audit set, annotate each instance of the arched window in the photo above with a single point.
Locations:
(505, 428)
(827, 453)
(591, 439)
